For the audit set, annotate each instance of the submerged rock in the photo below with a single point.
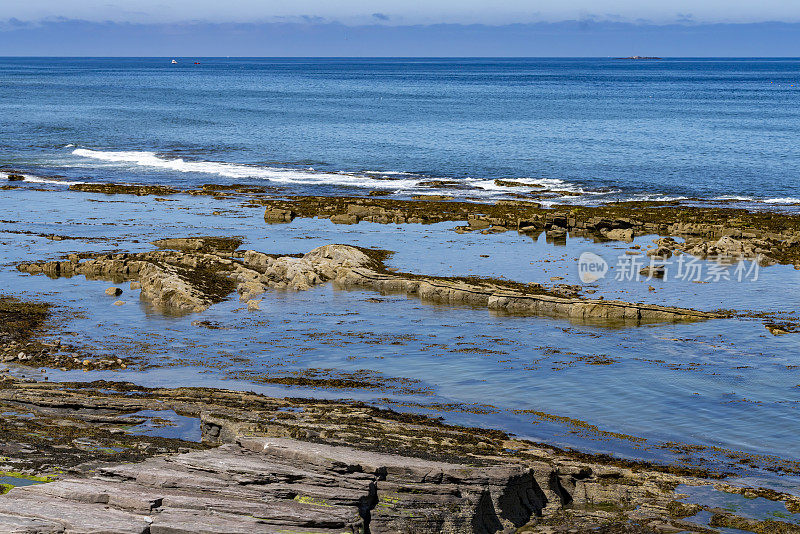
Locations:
(200, 244)
(652, 271)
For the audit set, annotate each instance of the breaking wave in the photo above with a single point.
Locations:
(390, 180)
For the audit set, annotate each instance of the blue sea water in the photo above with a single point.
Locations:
(611, 129)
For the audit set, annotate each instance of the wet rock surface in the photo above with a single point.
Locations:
(774, 237)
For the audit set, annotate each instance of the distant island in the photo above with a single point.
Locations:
(639, 57)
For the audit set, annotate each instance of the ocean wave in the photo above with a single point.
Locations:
(781, 200)
(650, 197)
(40, 180)
(396, 181)
(525, 184)
(778, 200)
(736, 198)
(400, 181)
(240, 171)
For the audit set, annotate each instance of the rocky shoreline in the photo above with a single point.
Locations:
(705, 231)
(268, 465)
(773, 236)
(71, 461)
(262, 464)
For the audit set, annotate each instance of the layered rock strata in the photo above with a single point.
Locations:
(269, 465)
(192, 281)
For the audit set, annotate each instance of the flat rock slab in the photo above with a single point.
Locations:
(270, 485)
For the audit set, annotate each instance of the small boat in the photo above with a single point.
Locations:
(174, 62)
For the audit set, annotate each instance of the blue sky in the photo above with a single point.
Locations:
(405, 12)
(194, 28)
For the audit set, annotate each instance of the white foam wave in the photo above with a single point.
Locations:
(391, 173)
(778, 200)
(645, 197)
(40, 180)
(526, 184)
(734, 197)
(400, 181)
(239, 171)
(781, 200)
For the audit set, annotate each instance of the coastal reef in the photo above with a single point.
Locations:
(773, 236)
(203, 271)
(703, 232)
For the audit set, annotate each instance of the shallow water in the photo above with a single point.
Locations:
(166, 424)
(19, 482)
(753, 508)
(722, 383)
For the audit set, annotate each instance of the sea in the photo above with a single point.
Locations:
(585, 130)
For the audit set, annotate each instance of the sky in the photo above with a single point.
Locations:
(197, 28)
(405, 12)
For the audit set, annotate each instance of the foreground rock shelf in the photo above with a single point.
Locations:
(269, 465)
(203, 271)
(266, 485)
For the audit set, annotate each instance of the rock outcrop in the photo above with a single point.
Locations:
(269, 465)
(192, 281)
(774, 237)
(200, 244)
(270, 485)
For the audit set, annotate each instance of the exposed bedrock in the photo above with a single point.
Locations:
(269, 485)
(191, 281)
(706, 231)
(271, 465)
(506, 300)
